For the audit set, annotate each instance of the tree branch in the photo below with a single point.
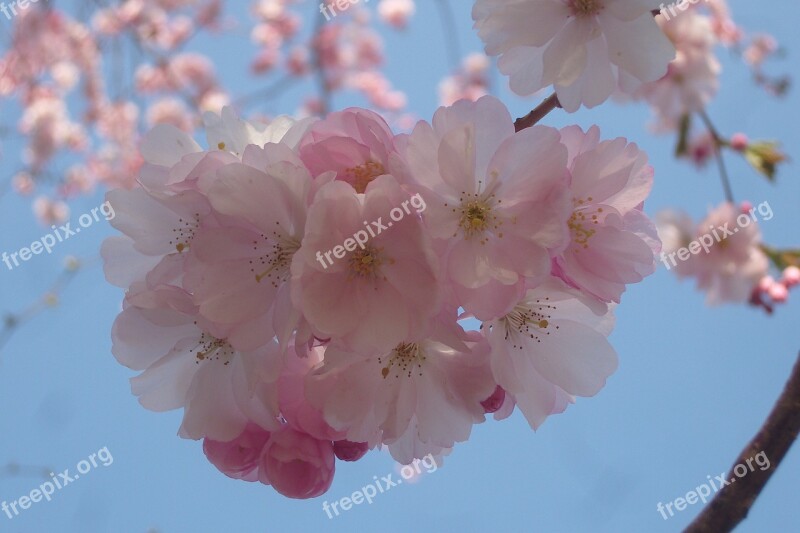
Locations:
(541, 111)
(719, 142)
(450, 33)
(731, 504)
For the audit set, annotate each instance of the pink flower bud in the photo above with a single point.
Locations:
(779, 293)
(495, 401)
(349, 451)
(739, 142)
(745, 207)
(766, 283)
(297, 465)
(238, 458)
(791, 276)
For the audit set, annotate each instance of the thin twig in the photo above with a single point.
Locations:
(265, 93)
(321, 76)
(450, 32)
(541, 111)
(24, 471)
(11, 322)
(719, 142)
(732, 504)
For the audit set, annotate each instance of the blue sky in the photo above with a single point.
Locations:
(693, 386)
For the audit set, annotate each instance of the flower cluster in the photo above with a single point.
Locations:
(735, 264)
(732, 266)
(282, 362)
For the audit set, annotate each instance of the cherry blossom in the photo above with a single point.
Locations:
(551, 347)
(733, 265)
(587, 49)
(612, 241)
(499, 198)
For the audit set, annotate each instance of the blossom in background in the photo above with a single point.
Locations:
(396, 12)
(692, 79)
(731, 269)
(469, 82)
(586, 49)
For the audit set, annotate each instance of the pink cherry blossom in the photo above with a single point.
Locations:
(370, 297)
(551, 347)
(354, 143)
(240, 272)
(612, 242)
(187, 363)
(499, 198)
(585, 48)
(418, 397)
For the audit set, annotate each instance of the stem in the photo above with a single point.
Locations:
(265, 93)
(450, 32)
(538, 113)
(719, 142)
(321, 75)
(731, 504)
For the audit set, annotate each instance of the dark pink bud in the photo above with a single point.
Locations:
(494, 402)
(350, 451)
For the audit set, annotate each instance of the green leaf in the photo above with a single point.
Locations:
(765, 156)
(782, 258)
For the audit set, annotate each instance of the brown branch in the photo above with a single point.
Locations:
(719, 143)
(541, 111)
(731, 504)
(450, 32)
(319, 66)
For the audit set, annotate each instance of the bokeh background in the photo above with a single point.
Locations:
(694, 383)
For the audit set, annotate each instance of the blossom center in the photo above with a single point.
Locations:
(403, 359)
(277, 261)
(581, 222)
(528, 321)
(210, 348)
(184, 233)
(367, 263)
(476, 215)
(585, 8)
(361, 176)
